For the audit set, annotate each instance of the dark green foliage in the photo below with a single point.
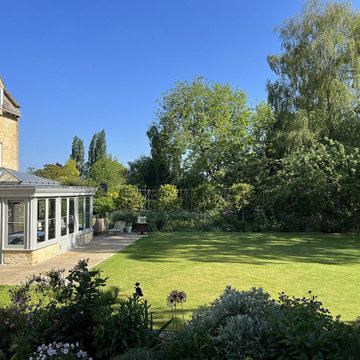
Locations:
(307, 331)
(51, 308)
(130, 217)
(91, 152)
(142, 173)
(239, 196)
(100, 148)
(97, 148)
(206, 198)
(322, 184)
(166, 160)
(78, 154)
(245, 324)
(175, 220)
(137, 354)
(129, 326)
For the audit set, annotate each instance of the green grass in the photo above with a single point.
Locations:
(202, 264)
(4, 294)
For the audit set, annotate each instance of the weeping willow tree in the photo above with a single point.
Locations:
(316, 93)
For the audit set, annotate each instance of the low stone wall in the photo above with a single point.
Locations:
(29, 257)
(83, 239)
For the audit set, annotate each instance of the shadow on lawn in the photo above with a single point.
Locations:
(248, 248)
(160, 317)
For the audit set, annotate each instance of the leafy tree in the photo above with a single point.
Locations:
(204, 123)
(66, 175)
(322, 181)
(109, 171)
(51, 171)
(97, 148)
(78, 154)
(166, 160)
(92, 151)
(316, 94)
(167, 198)
(128, 198)
(70, 169)
(206, 198)
(100, 149)
(239, 196)
(253, 163)
(142, 173)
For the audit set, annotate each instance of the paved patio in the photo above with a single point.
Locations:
(100, 249)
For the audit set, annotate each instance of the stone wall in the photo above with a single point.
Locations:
(29, 257)
(83, 239)
(9, 138)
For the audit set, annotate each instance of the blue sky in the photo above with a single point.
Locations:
(80, 66)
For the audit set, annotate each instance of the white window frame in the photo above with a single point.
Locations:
(8, 246)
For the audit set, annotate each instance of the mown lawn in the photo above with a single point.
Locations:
(4, 294)
(202, 264)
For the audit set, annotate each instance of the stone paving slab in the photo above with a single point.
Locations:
(98, 250)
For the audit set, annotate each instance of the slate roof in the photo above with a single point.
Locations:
(10, 105)
(14, 177)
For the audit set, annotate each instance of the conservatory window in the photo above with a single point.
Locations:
(41, 221)
(87, 212)
(16, 222)
(63, 217)
(81, 213)
(71, 215)
(51, 219)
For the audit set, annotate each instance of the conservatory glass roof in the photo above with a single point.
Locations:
(14, 177)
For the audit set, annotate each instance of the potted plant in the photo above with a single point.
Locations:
(128, 227)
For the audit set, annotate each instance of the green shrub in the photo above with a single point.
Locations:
(129, 326)
(167, 198)
(207, 198)
(103, 206)
(128, 197)
(183, 220)
(50, 308)
(248, 324)
(234, 326)
(137, 354)
(306, 330)
(130, 217)
(239, 196)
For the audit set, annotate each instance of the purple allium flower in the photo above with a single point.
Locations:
(138, 290)
(181, 296)
(176, 296)
(172, 298)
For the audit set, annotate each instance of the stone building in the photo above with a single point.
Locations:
(39, 218)
(9, 129)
